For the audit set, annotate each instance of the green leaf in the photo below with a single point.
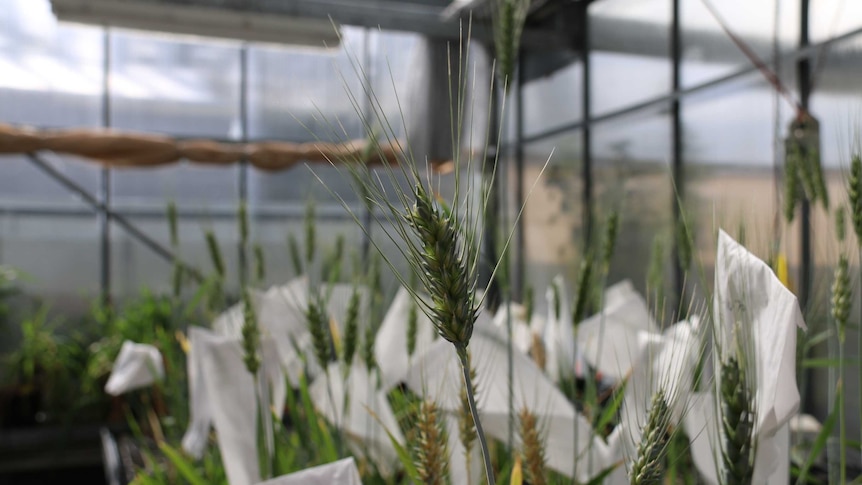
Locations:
(600, 478)
(820, 442)
(142, 478)
(320, 431)
(817, 338)
(819, 363)
(610, 411)
(183, 465)
(403, 454)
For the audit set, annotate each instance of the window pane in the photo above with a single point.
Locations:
(51, 72)
(58, 256)
(553, 213)
(553, 100)
(176, 85)
(135, 267)
(631, 174)
(831, 18)
(708, 52)
(630, 52)
(289, 89)
(730, 156)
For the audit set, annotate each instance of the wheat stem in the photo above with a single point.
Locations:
(842, 419)
(841, 292)
(466, 426)
(480, 433)
(859, 333)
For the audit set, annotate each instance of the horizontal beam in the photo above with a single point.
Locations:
(393, 15)
(663, 101)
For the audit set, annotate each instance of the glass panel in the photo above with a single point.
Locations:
(174, 85)
(553, 100)
(553, 217)
(21, 182)
(831, 18)
(631, 175)
(51, 77)
(730, 135)
(708, 52)
(630, 52)
(835, 102)
(58, 256)
(290, 87)
(210, 187)
(171, 84)
(135, 267)
(51, 73)
(392, 60)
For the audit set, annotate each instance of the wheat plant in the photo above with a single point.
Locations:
(648, 466)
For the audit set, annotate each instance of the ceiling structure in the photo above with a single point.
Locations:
(555, 28)
(436, 18)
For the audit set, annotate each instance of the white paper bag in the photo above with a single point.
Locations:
(438, 376)
(752, 305)
(222, 395)
(137, 366)
(341, 472)
(612, 340)
(390, 345)
(368, 415)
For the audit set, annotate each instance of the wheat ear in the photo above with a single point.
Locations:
(430, 451)
(533, 450)
(737, 424)
(647, 469)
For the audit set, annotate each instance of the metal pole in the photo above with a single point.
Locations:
(678, 193)
(803, 71)
(520, 254)
(105, 177)
(120, 220)
(243, 164)
(587, 163)
(491, 216)
(367, 111)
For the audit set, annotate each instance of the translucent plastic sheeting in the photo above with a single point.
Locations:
(341, 472)
(751, 306)
(137, 366)
(611, 340)
(222, 393)
(360, 411)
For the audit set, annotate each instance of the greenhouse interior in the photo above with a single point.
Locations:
(472, 242)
